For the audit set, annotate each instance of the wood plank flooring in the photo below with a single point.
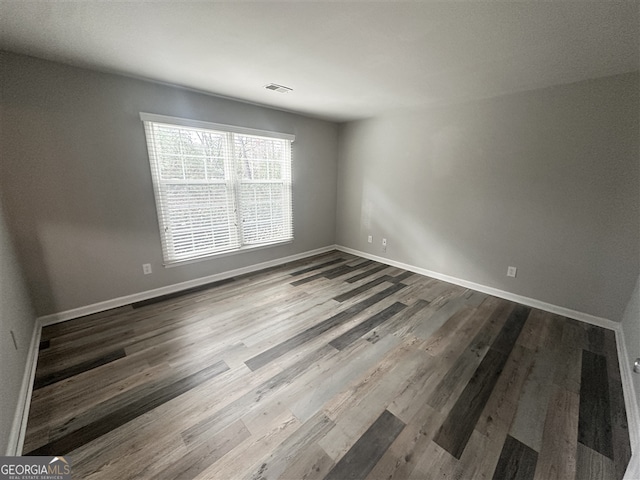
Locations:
(332, 367)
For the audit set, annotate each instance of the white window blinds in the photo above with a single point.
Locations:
(218, 188)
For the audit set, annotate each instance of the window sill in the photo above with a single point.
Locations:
(226, 253)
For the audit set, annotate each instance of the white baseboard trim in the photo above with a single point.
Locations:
(531, 302)
(630, 400)
(632, 404)
(177, 287)
(633, 470)
(19, 426)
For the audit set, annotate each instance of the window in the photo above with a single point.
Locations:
(218, 188)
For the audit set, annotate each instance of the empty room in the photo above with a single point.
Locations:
(320, 240)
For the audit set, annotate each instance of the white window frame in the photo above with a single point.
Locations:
(234, 181)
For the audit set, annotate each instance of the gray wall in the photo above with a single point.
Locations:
(547, 181)
(631, 329)
(15, 315)
(77, 185)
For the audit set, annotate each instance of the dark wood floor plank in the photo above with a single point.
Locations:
(596, 338)
(340, 271)
(103, 425)
(316, 267)
(401, 457)
(512, 328)
(277, 351)
(365, 453)
(332, 273)
(470, 358)
(187, 291)
(501, 408)
(309, 279)
(399, 324)
(402, 277)
(368, 273)
(454, 433)
(350, 336)
(60, 375)
(517, 461)
(594, 421)
(362, 288)
(457, 428)
(84, 323)
(60, 356)
(568, 357)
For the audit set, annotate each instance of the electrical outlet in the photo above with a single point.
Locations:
(384, 244)
(511, 271)
(370, 239)
(146, 268)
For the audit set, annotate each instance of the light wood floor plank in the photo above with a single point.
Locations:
(557, 456)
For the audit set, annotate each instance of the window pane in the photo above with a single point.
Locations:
(171, 167)
(265, 212)
(194, 168)
(215, 168)
(192, 143)
(167, 140)
(258, 157)
(200, 218)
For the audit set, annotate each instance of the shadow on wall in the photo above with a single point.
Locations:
(39, 285)
(73, 256)
(454, 203)
(410, 241)
(437, 189)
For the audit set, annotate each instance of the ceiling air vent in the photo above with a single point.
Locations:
(278, 88)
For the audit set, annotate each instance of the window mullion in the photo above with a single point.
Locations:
(165, 223)
(236, 187)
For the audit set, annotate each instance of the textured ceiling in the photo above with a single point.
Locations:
(344, 60)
